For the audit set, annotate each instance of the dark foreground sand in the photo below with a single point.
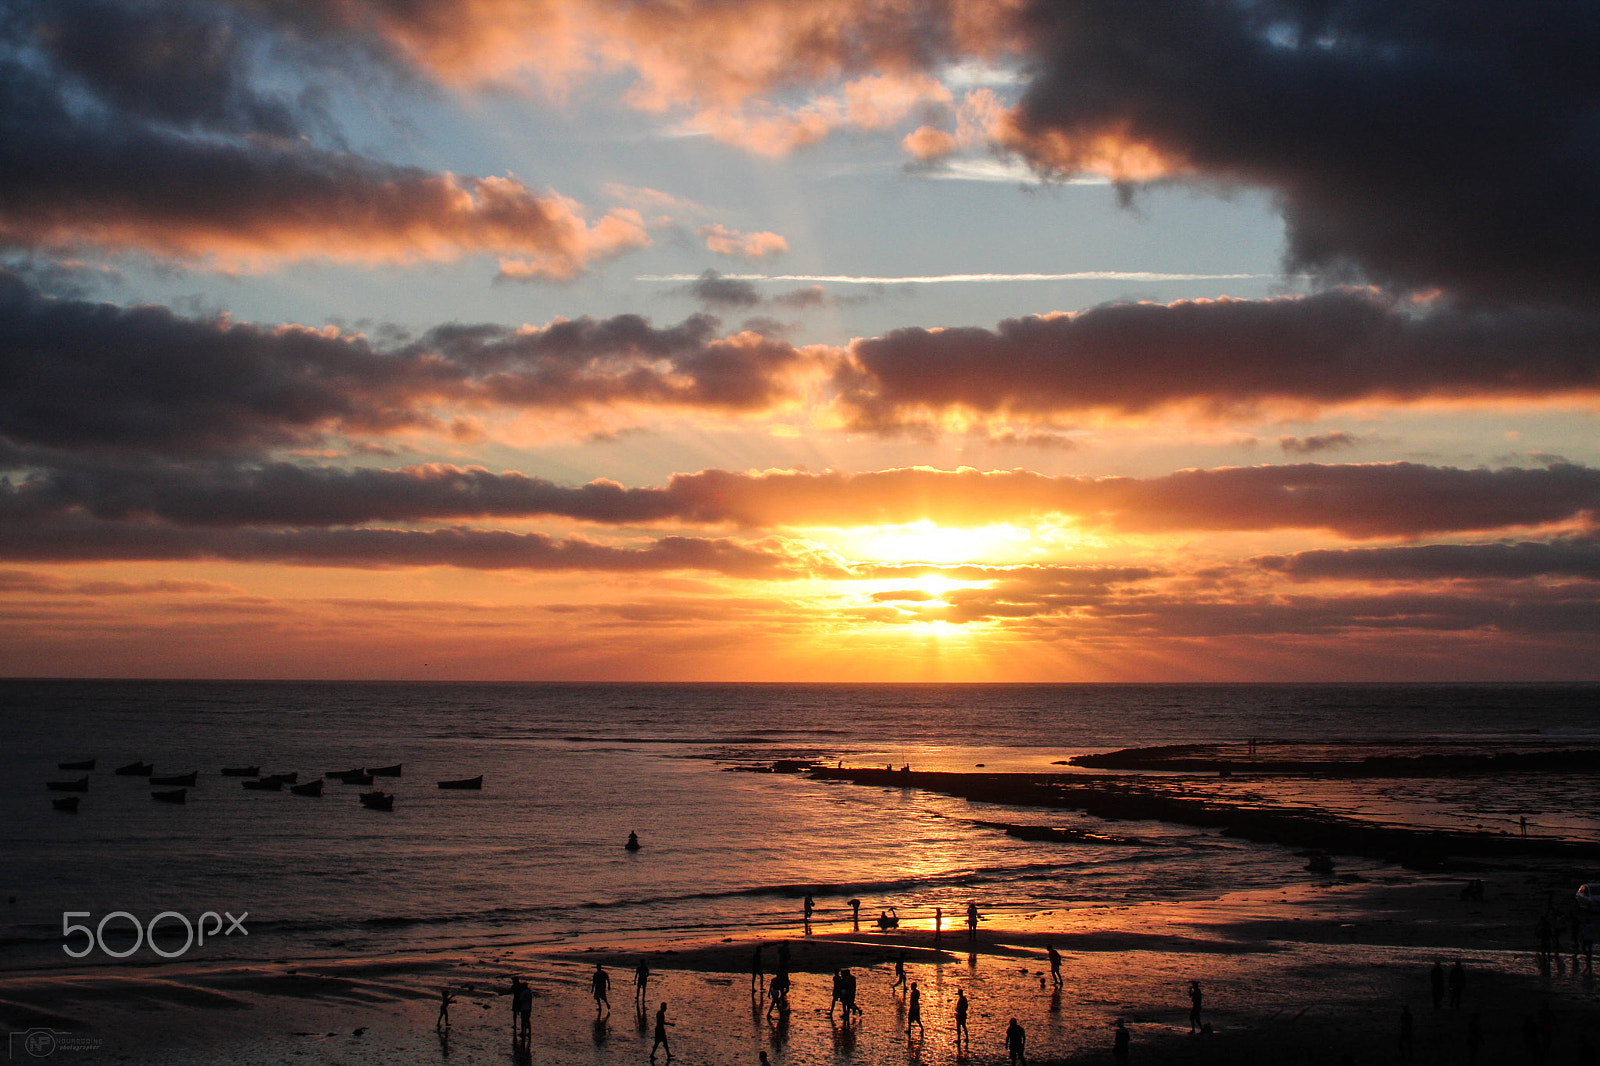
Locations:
(1307, 973)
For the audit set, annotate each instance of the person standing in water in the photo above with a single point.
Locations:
(1016, 1043)
(810, 905)
(662, 1025)
(972, 921)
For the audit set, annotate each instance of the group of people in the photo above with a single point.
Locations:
(1580, 928)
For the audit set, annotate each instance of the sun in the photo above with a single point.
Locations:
(927, 542)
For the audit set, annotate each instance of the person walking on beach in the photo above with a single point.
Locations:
(1458, 984)
(1055, 963)
(445, 998)
(661, 1034)
(962, 1006)
(1016, 1043)
(838, 994)
(758, 976)
(1119, 1045)
(778, 993)
(641, 978)
(522, 1010)
(516, 1001)
(848, 991)
(972, 921)
(914, 1011)
(599, 986)
(899, 971)
(1436, 983)
(1194, 1006)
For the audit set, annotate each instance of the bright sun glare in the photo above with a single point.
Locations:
(926, 542)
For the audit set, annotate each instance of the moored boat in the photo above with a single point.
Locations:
(135, 769)
(264, 784)
(85, 764)
(80, 785)
(384, 771)
(241, 771)
(464, 782)
(378, 800)
(187, 779)
(177, 795)
(66, 803)
(310, 788)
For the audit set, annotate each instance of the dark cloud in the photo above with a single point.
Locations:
(1333, 347)
(79, 375)
(1564, 557)
(1321, 442)
(1420, 144)
(715, 290)
(79, 540)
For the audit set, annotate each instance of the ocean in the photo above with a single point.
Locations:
(536, 858)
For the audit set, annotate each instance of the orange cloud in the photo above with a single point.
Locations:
(725, 241)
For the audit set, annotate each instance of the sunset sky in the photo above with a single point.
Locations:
(960, 340)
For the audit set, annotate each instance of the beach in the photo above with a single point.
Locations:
(1173, 866)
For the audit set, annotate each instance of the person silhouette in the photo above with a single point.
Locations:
(1055, 963)
(778, 993)
(641, 978)
(1458, 984)
(522, 1008)
(758, 975)
(855, 912)
(1194, 1006)
(848, 993)
(445, 998)
(661, 1034)
(1119, 1045)
(516, 1002)
(810, 905)
(938, 924)
(1016, 1042)
(838, 994)
(599, 986)
(633, 841)
(962, 1006)
(972, 921)
(899, 971)
(914, 1011)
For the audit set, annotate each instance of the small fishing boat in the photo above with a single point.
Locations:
(633, 842)
(264, 784)
(135, 769)
(80, 785)
(310, 788)
(177, 795)
(465, 782)
(888, 920)
(384, 771)
(66, 803)
(241, 771)
(86, 764)
(378, 800)
(282, 779)
(187, 779)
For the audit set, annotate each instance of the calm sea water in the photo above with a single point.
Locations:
(536, 857)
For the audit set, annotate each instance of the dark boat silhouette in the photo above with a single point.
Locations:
(177, 779)
(80, 785)
(135, 769)
(310, 788)
(384, 771)
(177, 795)
(633, 842)
(85, 764)
(66, 803)
(887, 920)
(378, 800)
(264, 784)
(464, 782)
(241, 771)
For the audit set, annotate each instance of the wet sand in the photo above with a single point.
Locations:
(1308, 972)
